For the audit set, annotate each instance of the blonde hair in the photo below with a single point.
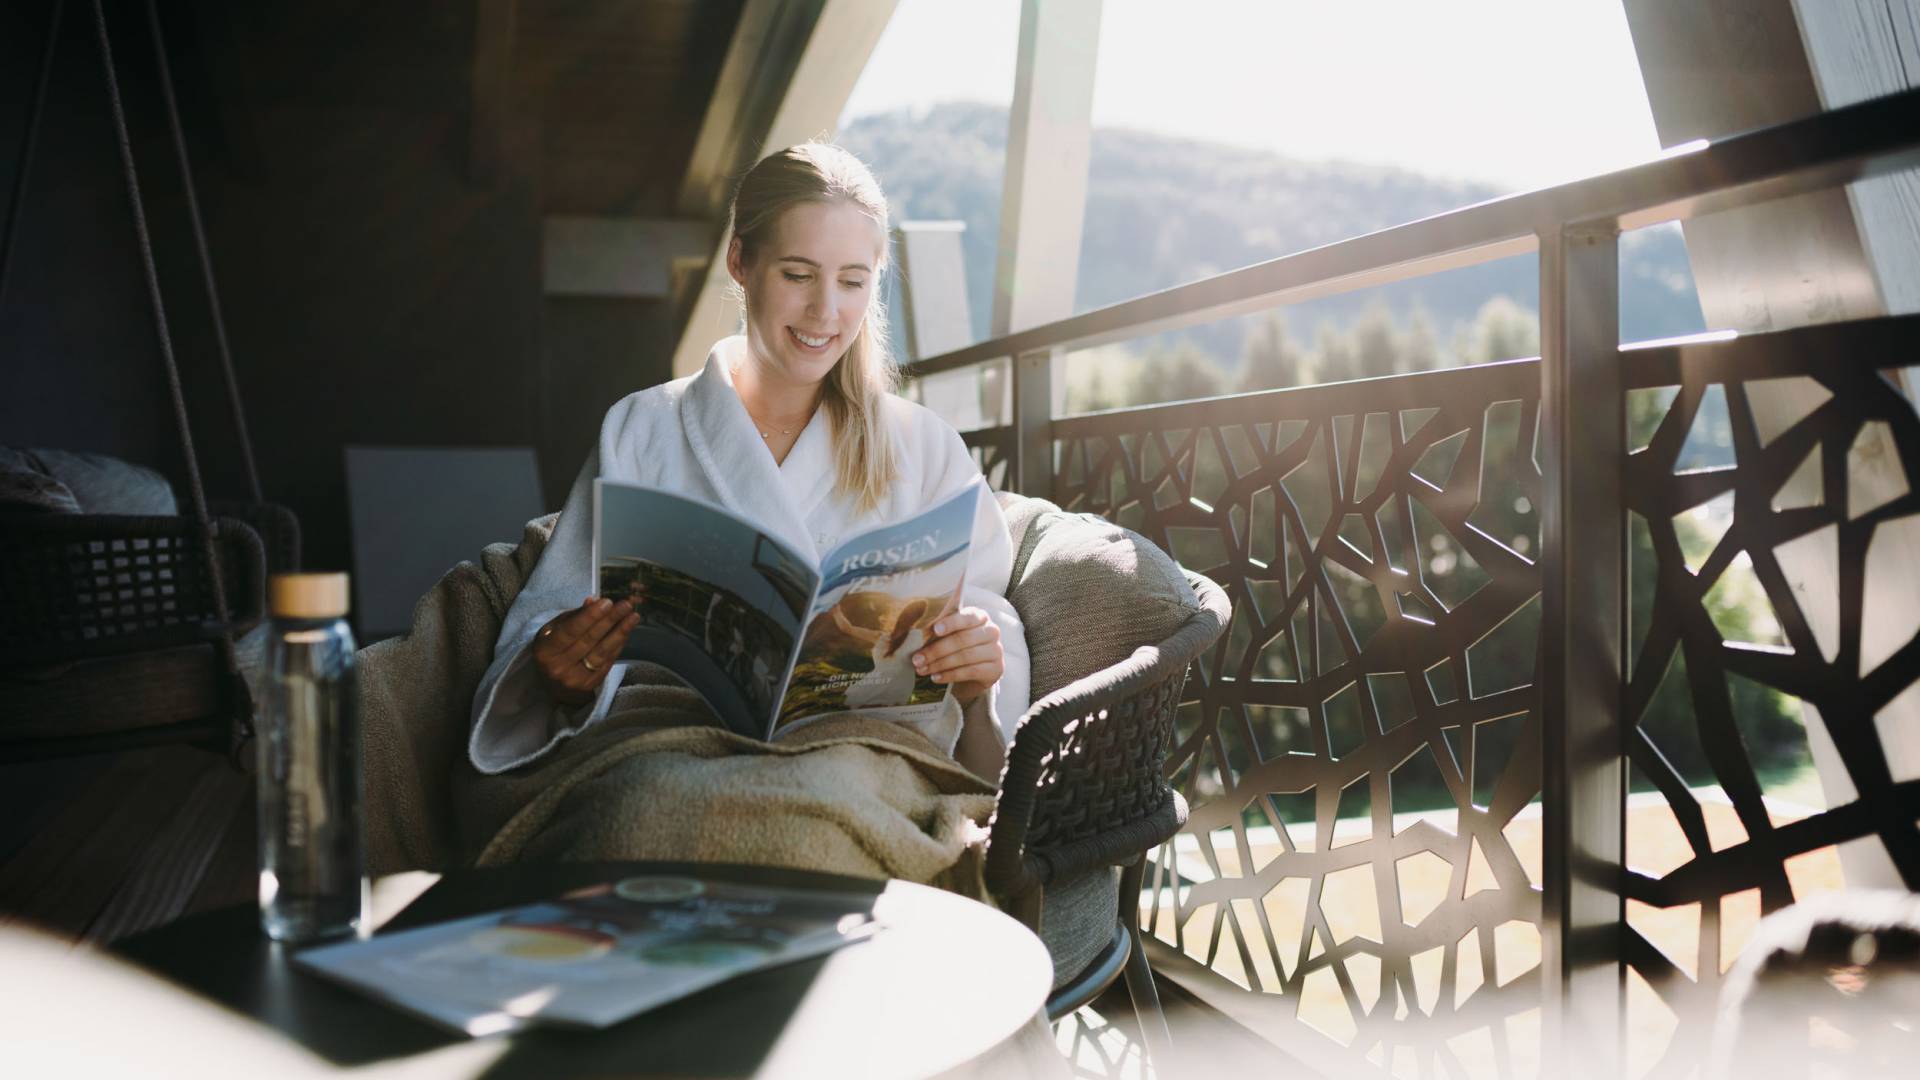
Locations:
(864, 457)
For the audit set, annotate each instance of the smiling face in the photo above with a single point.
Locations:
(808, 287)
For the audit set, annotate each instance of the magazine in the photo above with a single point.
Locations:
(593, 957)
(767, 636)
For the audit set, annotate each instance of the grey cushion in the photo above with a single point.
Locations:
(1077, 917)
(1020, 510)
(107, 485)
(1090, 592)
(26, 486)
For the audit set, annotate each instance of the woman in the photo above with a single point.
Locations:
(792, 425)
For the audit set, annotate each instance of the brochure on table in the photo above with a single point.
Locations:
(595, 956)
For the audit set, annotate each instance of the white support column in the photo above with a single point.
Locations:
(1049, 142)
(934, 311)
(837, 51)
(1714, 67)
(1043, 209)
(933, 286)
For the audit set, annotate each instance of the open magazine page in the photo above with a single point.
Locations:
(720, 602)
(593, 957)
(879, 596)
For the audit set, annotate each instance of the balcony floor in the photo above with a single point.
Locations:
(97, 847)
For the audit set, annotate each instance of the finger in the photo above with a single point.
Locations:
(567, 637)
(959, 639)
(963, 619)
(610, 645)
(984, 674)
(940, 656)
(603, 615)
(563, 629)
(945, 667)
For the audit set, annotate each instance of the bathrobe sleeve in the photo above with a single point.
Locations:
(515, 720)
(989, 724)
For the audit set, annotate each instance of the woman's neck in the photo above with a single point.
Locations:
(773, 401)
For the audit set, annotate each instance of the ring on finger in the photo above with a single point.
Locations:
(587, 662)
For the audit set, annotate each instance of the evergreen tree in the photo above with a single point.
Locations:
(1180, 373)
(1374, 344)
(1272, 361)
(1333, 354)
(1419, 349)
(1093, 385)
(1503, 330)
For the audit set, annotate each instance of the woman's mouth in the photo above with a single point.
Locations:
(811, 342)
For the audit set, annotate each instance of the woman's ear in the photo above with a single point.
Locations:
(736, 262)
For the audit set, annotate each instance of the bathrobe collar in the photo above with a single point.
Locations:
(727, 445)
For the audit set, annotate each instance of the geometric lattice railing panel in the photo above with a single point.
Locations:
(992, 450)
(1361, 752)
(1774, 540)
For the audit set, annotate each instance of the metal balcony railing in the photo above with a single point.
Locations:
(1430, 580)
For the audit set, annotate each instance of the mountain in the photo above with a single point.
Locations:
(1162, 211)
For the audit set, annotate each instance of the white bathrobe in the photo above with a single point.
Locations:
(693, 436)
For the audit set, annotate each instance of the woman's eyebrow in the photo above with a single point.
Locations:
(816, 266)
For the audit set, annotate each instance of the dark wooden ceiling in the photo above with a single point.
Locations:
(621, 89)
(604, 100)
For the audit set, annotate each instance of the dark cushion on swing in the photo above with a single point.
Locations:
(27, 488)
(69, 481)
(108, 485)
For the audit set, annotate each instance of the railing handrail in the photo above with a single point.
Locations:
(1879, 342)
(1812, 153)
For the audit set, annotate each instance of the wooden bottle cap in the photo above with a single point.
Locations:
(307, 596)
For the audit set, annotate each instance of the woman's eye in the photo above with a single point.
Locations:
(853, 284)
(797, 279)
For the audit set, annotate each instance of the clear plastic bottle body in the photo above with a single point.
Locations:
(312, 870)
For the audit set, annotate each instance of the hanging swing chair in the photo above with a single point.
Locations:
(120, 631)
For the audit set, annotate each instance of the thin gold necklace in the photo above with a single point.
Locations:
(758, 426)
(763, 428)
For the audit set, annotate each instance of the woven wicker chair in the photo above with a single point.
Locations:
(1085, 790)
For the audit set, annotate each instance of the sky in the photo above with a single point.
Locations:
(1519, 93)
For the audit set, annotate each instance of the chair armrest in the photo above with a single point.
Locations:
(1085, 784)
(82, 585)
(279, 530)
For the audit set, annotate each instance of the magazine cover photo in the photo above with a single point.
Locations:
(720, 603)
(879, 599)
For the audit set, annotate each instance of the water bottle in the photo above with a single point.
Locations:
(312, 870)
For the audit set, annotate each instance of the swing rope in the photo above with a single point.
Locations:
(206, 259)
(27, 142)
(241, 697)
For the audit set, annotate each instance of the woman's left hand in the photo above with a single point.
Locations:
(964, 653)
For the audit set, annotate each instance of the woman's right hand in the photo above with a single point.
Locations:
(575, 649)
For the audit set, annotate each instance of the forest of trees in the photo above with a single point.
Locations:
(1272, 358)
(1163, 211)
